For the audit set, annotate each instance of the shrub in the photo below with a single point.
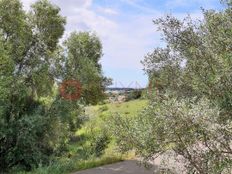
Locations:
(98, 137)
(191, 112)
(103, 108)
(133, 95)
(99, 144)
(187, 127)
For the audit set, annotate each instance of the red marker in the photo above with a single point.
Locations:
(65, 92)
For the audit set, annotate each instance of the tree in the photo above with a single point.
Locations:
(191, 114)
(35, 121)
(27, 44)
(84, 51)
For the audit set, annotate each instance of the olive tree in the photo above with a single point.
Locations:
(191, 115)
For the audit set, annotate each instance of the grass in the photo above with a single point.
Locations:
(129, 108)
(78, 156)
(72, 165)
(100, 116)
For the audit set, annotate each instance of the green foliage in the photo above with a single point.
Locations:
(134, 95)
(190, 111)
(49, 24)
(187, 127)
(83, 45)
(30, 130)
(99, 144)
(35, 122)
(96, 136)
(84, 52)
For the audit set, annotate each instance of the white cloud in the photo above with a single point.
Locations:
(107, 11)
(86, 19)
(126, 37)
(73, 3)
(138, 5)
(125, 42)
(128, 44)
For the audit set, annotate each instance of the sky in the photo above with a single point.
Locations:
(126, 30)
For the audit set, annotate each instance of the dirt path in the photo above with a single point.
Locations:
(126, 167)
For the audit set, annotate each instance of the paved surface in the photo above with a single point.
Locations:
(126, 167)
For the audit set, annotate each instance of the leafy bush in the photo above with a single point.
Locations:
(191, 112)
(187, 127)
(35, 122)
(99, 144)
(133, 95)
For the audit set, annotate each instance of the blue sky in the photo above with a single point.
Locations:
(126, 29)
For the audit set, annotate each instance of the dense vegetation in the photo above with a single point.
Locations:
(94, 145)
(36, 123)
(188, 117)
(190, 112)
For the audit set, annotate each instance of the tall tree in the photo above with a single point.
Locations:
(84, 51)
(27, 44)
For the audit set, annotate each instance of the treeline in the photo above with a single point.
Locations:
(35, 121)
(189, 117)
